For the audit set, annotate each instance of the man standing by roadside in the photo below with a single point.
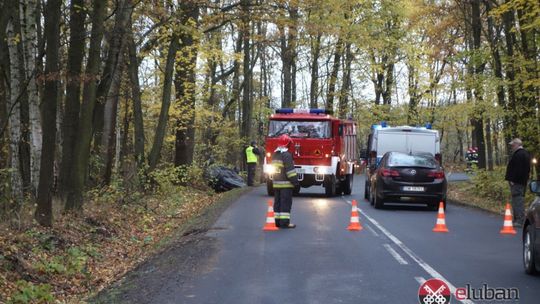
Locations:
(252, 156)
(517, 174)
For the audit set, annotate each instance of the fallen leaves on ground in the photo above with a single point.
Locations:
(83, 254)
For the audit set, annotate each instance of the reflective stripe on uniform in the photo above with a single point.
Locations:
(277, 215)
(277, 162)
(291, 173)
(282, 184)
(285, 216)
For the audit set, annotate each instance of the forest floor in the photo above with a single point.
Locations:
(81, 255)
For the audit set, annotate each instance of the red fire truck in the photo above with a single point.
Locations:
(324, 149)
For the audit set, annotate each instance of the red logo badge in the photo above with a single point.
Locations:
(434, 291)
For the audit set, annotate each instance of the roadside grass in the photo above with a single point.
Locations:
(485, 190)
(83, 254)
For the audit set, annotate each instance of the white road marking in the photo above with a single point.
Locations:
(420, 280)
(372, 230)
(430, 270)
(396, 255)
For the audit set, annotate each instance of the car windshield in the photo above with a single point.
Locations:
(406, 160)
(299, 129)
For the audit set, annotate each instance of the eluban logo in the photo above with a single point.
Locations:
(487, 293)
(434, 291)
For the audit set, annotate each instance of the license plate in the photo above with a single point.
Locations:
(410, 188)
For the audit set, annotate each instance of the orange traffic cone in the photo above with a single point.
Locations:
(440, 226)
(355, 218)
(270, 221)
(508, 228)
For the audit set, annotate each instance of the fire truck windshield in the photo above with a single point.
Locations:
(300, 129)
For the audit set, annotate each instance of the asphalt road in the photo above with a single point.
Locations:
(322, 262)
(457, 176)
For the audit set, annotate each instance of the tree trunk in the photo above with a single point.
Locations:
(84, 134)
(235, 90)
(478, 121)
(247, 106)
(389, 83)
(334, 74)
(155, 153)
(73, 91)
(21, 94)
(314, 86)
(110, 72)
(186, 87)
(4, 84)
(137, 103)
(50, 100)
(286, 61)
(346, 83)
(291, 45)
(28, 13)
(511, 111)
(14, 110)
(110, 117)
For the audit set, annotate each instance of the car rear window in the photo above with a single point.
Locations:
(406, 160)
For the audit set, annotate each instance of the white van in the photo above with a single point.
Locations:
(405, 139)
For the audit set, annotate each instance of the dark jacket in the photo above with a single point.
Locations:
(285, 176)
(519, 167)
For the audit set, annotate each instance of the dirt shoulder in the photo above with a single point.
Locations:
(180, 256)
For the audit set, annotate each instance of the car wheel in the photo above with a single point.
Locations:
(529, 250)
(347, 184)
(378, 202)
(269, 188)
(366, 191)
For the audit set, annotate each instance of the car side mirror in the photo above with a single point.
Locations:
(533, 186)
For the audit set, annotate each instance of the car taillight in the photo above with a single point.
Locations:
(436, 174)
(388, 172)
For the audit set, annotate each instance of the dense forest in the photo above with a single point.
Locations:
(96, 92)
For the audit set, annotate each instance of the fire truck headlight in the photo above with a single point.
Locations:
(316, 169)
(268, 154)
(270, 170)
(327, 155)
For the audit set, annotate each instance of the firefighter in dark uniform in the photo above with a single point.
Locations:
(252, 155)
(284, 181)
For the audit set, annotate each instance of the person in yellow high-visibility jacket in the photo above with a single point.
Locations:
(252, 156)
(283, 182)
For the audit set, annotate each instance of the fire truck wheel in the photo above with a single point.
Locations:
(269, 188)
(347, 184)
(330, 186)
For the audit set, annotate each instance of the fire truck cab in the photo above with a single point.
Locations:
(324, 150)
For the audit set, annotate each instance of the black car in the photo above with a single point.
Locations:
(531, 233)
(408, 178)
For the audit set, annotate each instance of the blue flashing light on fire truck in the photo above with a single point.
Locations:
(324, 150)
